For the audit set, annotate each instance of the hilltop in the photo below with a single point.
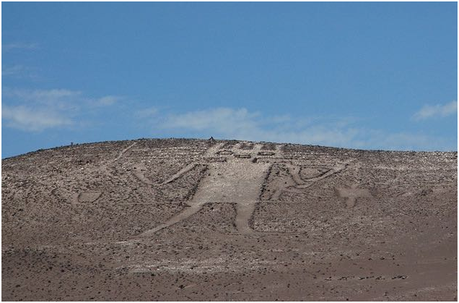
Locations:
(183, 219)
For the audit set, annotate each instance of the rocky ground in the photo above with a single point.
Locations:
(177, 219)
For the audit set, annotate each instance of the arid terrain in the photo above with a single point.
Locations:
(182, 219)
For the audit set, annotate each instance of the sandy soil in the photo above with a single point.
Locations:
(177, 219)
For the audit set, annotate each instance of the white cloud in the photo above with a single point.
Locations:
(100, 102)
(377, 139)
(107, 100)
(19, 72)
(30, 119)
(228, 123)
(54, 100)
(19, 45)
(434, 111)
(242, 124)
(40, 95)
(12, 70)
(146, 112)
(220, 120)
(36, 110)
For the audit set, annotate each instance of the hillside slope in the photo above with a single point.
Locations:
(178, 219)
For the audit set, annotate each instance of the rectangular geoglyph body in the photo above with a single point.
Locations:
(235, 181)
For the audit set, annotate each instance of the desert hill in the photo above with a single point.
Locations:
(182, 219)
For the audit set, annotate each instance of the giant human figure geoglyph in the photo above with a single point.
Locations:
(235, 175)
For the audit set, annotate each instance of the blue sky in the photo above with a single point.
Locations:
(357, 75)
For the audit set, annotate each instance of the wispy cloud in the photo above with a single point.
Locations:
(378, 139)
(146, 112)
(221, 120)
(242, 124)
(107, 100)
(40, 95)
(29, 119)
(329, 131)
(436, 111)
(50, 99)
(37, 110)
(19, 71)
(19, 45)
(12, 70)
